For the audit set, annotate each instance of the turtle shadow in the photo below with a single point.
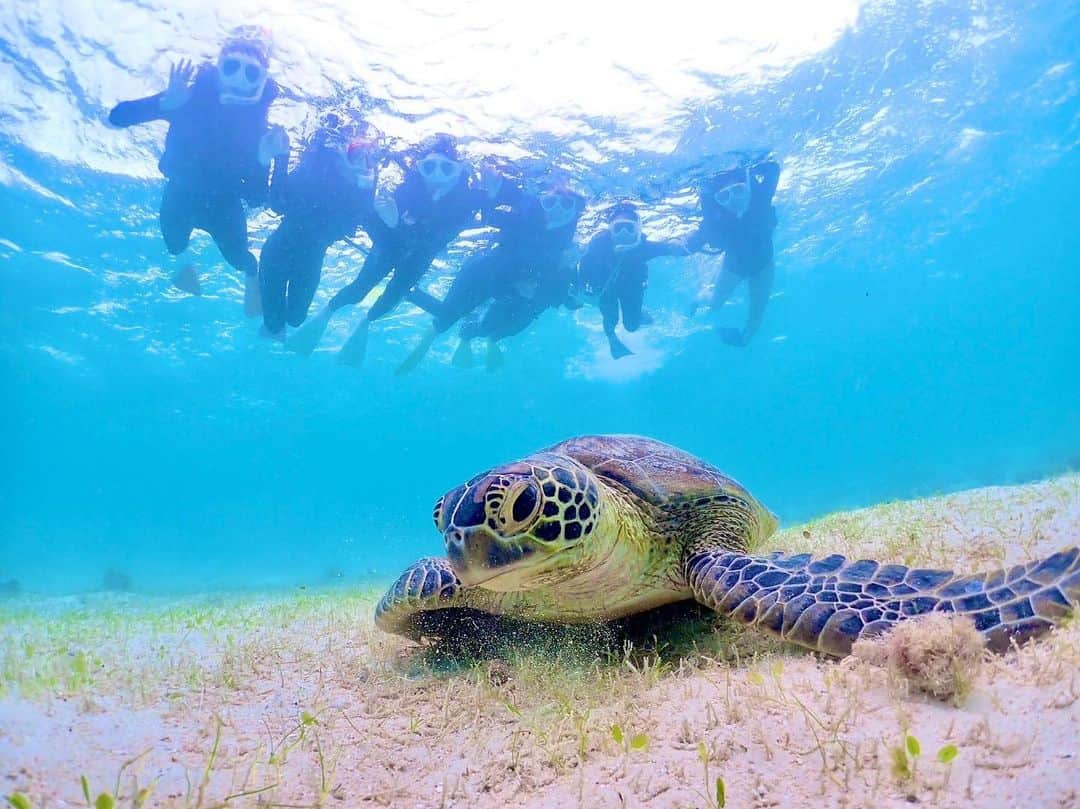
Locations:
(459, 639)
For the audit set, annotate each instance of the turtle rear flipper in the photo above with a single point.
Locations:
(827, 604)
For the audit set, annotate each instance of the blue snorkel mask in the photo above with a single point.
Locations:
(560, 208)
(624, 225)
(735, 196)
(242, 66)
(439, 172)
(625, 234)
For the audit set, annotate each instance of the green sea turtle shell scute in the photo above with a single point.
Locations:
(656, 472)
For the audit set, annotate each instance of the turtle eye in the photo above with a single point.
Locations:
(519, 508)
(524, 504)
(437, 515)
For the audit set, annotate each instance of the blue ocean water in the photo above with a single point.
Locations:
(922, 336)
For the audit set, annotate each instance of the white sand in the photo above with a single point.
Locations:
(86, 690)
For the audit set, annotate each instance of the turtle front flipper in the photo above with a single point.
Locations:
(827, 604)
(410, 606)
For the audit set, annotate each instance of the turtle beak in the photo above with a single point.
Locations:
(478, 555)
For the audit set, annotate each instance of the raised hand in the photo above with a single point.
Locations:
(490, 179)
(387, 210)
(179, 90)
(274, 143)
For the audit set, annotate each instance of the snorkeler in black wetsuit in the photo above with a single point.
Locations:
(738, 218)
(217, 151)
(614, 272)
(513, 311)
(434, 203)
(325, 198)
(525, 272)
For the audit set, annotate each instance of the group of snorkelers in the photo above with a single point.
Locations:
(218, 155)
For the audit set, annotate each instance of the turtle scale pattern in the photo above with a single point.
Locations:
(657, 473)
(680, 528)
(826, 604)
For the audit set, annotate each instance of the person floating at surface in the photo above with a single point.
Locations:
(738, 218)
(434, 203)
(325, 198)
(217, 151)
(514, 311)
(542, 287)
(614, 272)
(524, 272)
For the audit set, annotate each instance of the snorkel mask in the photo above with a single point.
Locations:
(624, 224)
(439, 167)
(734, 197)
(242, 66)
(439, 173)
(356, 146)
(560, 207)
(625, 234)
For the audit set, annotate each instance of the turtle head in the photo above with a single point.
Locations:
(516, 526)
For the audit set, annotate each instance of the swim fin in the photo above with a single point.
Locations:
(417, 355)
(429, 303)
(463, 357)
(494, 356)
(355, 348)
(306, 338)
(252, 296)
(187, 280)
(618, 348)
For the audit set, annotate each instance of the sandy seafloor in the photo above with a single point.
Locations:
(297, 700)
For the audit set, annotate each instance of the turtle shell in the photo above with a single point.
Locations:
(658, 473)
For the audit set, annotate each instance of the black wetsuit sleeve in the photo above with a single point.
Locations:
(509, 193)
(770, 176)
(142, 110)
(593, 270)
(409, 196)
(368, 219)
(374, 226)
(502, 209)
(257, 176)
(555, 288)
(256, 185)
(490, 215)
(280, 181)
(139, 111)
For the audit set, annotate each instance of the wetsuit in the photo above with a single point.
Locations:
(211, 160)
(512, 312)
(618, 280)
(746, 241)
(523, 274)
(319, 206)
(425, 227)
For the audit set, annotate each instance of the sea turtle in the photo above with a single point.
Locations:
(597, 528)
